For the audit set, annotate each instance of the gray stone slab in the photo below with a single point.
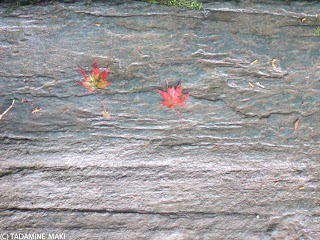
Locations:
(239, 169)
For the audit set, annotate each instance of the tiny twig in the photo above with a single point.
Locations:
(104, 107)
(178, 115)
(7, 109)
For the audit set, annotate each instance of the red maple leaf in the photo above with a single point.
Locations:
(173, 97)
(95, 80)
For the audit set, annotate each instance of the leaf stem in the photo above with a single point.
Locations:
(104, 107)
(7, 109)
(178, 115)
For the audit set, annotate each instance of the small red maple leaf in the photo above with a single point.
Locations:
(173, 97)
(95, 80)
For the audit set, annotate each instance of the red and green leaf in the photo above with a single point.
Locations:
(95, 80)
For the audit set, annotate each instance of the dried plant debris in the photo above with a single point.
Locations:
(105, 114)
(260, 85)
(254, 61)
(7, 110)
(296, 124)
(36, 109)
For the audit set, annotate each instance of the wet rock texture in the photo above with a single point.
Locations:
(240, 169)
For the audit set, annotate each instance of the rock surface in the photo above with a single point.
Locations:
(242, 168)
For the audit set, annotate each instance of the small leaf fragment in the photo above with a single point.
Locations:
(65, 109)
(146, 144)
(36, 109)
(105, 114)
(296, 124)
(317, 32)
(260, 85)
(272, 62)
(254, 61)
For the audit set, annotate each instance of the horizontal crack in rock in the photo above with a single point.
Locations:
(124, 211)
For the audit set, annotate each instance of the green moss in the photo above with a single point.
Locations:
(33, 166)
(18, 226)
(9, 10)
(17, 4)
(194, 4)
(317, 32)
